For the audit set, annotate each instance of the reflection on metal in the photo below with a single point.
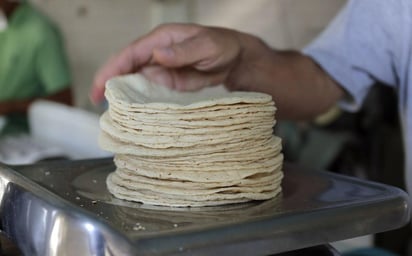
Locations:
(56, 236)
(64, 208)
(3, 186)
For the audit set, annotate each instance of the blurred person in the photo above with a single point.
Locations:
(33, 63)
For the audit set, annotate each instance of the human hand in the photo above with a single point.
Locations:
(189, 57)
(180, 56)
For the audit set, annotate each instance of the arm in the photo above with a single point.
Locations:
(300, 88)
(21, 106)
(188, 57)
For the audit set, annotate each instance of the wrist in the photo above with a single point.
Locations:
(253, 54)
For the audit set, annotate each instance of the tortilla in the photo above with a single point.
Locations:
(190, 149)
(136, 91)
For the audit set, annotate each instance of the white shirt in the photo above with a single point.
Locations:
(371, 41)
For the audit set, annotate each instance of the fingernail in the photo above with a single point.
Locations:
(166, 51)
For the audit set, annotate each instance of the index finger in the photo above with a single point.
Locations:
(138, 54)
(127, 61)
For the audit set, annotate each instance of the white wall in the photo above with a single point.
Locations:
(281, 23)
(95, 29)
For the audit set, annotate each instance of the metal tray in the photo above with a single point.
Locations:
(63, 208)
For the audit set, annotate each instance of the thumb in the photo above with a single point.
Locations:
(192, 51)
(166, 56)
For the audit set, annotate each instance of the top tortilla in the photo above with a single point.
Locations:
(135, 91)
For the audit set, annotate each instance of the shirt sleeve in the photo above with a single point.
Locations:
(51, 62)
(356, 49)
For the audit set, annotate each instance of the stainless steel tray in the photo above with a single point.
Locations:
(63, 208)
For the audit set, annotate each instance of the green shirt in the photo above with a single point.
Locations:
(32, 59)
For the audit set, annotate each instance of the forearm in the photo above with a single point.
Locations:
(21, 106)
(300, 88)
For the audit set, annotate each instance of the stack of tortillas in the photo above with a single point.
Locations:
(203, 148)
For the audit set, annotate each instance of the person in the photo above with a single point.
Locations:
(367, 41)
(33, 64)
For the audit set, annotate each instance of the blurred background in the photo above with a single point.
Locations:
(95, 29)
